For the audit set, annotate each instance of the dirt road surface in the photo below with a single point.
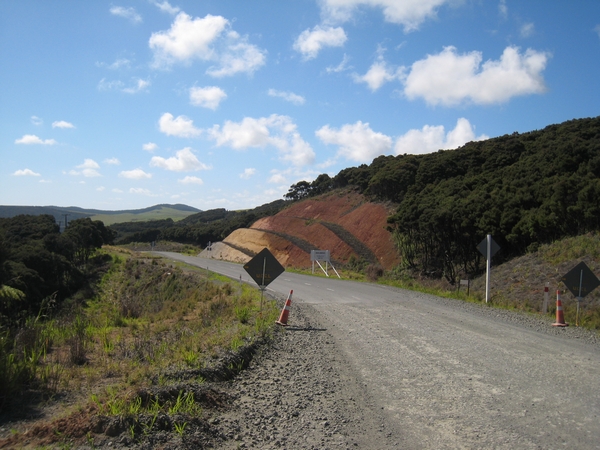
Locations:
(366, 366)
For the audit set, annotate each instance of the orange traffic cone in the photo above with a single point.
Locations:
(285, 312)
(560, 317)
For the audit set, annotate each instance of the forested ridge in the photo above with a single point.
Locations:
(525, 189)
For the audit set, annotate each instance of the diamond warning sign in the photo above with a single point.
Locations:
(264, 268)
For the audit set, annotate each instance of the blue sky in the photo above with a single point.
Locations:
(226, 103)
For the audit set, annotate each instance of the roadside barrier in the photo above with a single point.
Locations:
(285, 312)
(560, 316)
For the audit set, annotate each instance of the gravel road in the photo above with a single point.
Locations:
(365, 366)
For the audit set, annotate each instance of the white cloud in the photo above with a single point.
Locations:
(150, 147)
(117, 191)
(36, 120)
(141, 191)
(191, 180)
(127, 13)
(340, 67)
(29, 139)
(25, 173)
(277, 178)
(100, 188)
(310, 43)
(433, 138)
(357, 142)
(180, 126)
(275, 130)
(121, 62)
(249, 172)
(62, 124)
(183, 161)
(135, 174)
(205, 39)
(527, 30)
(596, 29)
(88, 169)
(451, 79)
(380, 73)
(287, 96)
(112, 161)
(207, 97)
(138, 86)
(238, 57)
(167, 7)
(408, 13)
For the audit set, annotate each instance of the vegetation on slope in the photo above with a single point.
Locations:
(135, 354)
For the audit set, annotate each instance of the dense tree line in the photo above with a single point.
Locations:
(524, 189)
(39, 264)
(199, 229)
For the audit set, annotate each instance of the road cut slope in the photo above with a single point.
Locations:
(345, 223)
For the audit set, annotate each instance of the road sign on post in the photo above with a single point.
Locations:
(580, 280)
(488, 248)
(263, 269)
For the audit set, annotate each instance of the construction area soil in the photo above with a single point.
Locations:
(344, 223)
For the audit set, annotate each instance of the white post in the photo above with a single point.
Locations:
(546, 295)
(487, 272)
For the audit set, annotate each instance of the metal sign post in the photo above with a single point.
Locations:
(580, 281)
(263, 269)
(488, 248)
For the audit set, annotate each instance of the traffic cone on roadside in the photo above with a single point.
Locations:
(285, 312)
(560, 316)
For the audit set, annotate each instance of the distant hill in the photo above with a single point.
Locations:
(157, 212)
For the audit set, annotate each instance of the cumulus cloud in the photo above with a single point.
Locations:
(287, 96)
(207, 97)
(191, 180)
(180, 126)
(26, 173)
(433, 138)
(380, 73)
(150, 147)
(183, 161)
(276, 131)
(127, 13)
(206, 39)
(408, 13)
(135, 174)
(30, 139)
(247, 173)
(357, 142)
(311, 42)
(449, 78)
(36, 120)
(112, 161)
(62, 124)
(167, 7)
(88, 169)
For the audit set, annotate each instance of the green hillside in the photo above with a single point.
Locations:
(157, 212)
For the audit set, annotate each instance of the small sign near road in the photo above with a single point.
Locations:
(264, 268)
(580, 280)
(482, 247)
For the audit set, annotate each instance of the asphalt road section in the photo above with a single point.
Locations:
(443, 374)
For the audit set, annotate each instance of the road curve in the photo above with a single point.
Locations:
(445, 374)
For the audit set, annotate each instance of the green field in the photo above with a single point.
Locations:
(156, 214)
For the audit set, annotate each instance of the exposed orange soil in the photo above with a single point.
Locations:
(291, 233)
